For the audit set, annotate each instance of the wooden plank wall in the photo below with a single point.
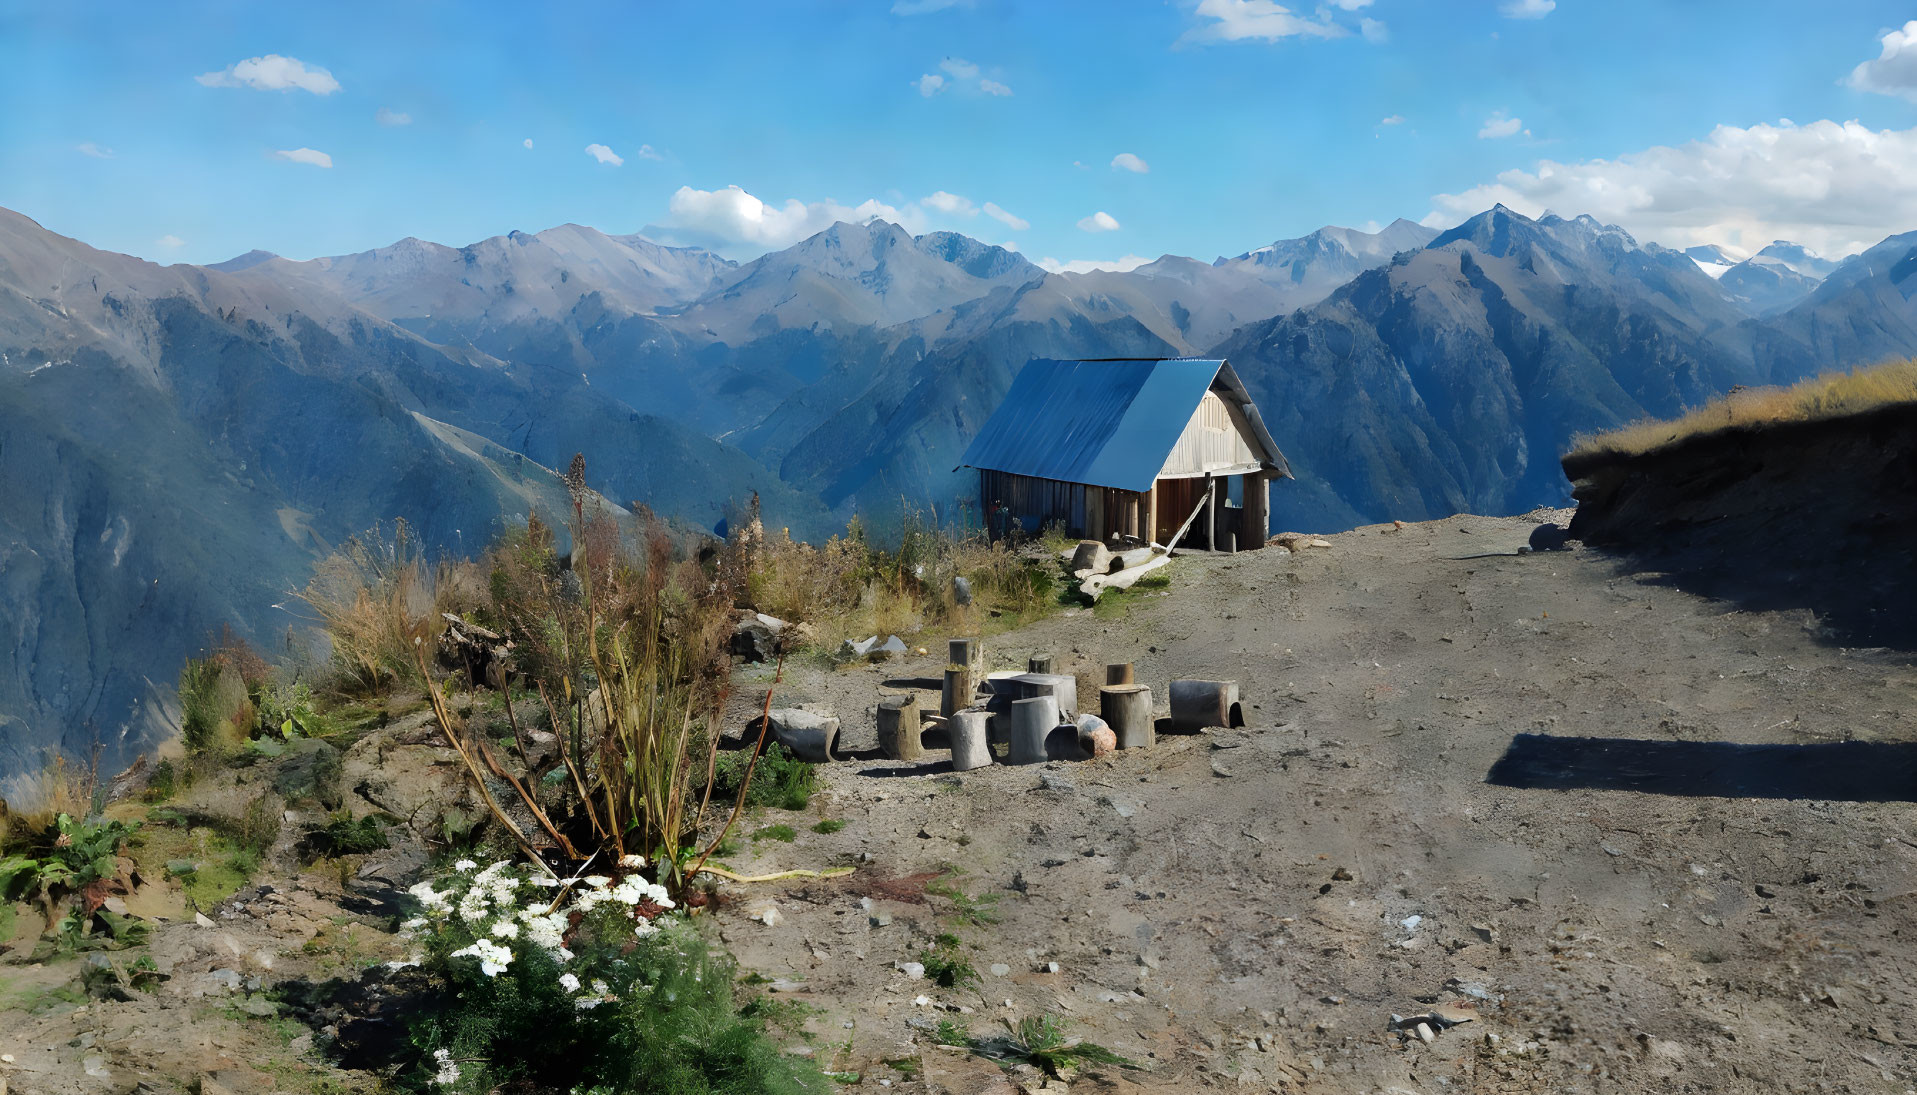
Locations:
(1213, 439)
(1085, 511)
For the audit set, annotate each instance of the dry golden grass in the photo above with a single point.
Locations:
(1832, 395)
(849, 588)
(32, 800)
(375, 597)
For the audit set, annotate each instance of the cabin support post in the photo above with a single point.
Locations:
(1211, 513)
(1257, 512)
(1150, 534)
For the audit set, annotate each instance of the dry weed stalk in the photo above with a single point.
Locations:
(1830, 395)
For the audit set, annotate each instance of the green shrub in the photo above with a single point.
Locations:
(829, 825)
(784, 833)
(341, 835)
(780, 779)
(608, 993)
(945, 964)
(215, 715)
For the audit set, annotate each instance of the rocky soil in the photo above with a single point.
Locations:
(1415, 819)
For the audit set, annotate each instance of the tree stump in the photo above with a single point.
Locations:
(969, 750)
(1032, 722)
(1118, 673)
(956, 694)
(899, 728)
(1127, 709)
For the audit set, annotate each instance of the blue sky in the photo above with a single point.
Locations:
(156, 130)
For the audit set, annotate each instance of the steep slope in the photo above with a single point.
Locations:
(1449, 380)
(1861, 314)
(1310, 267)
(180, 443)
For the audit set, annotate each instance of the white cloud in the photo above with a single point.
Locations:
(1395, 119)
(1086, 266)
(605, 155)
(732, 217)
(1835, 188)
(305, 156)
(1263, 20)
(993, 87)
(1100, 221)
(923, 7)
(170, 240)
(1374, 30)
(1351, 5)
(929, 84)
(951, 204)
(273, 73)
(1009, 220)
(1125, 161)
(647, 152)
(1498, 126)
(1010, 245)
(392, 117)
(959, 68)
(527, 142)
(1528, 9)
(1895, 71)
(88, 148)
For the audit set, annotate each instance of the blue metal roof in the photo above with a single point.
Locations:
(1106, 423)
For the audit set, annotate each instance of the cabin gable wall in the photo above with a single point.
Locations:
(1215, 439)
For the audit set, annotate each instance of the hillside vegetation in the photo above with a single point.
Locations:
(1822, 398)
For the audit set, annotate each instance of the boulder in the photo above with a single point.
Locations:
(757, 637)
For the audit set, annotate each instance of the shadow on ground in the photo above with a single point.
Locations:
(1851, 771)
(1818, 517)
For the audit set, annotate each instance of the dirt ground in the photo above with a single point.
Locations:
(1412, 818)
(1237, 909)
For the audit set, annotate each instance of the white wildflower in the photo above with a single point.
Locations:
(493, 958)
(464, 866)
(432, 899)
(597, 881)
(569, 982)
(587, 1003)
(506, 929)
(448, 1068)
(645, 928)
(632, 861)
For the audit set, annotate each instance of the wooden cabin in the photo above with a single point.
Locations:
(1129, 449)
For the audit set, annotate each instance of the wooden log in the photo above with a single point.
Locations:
(808, 735)
(899, 732)
(1118, 673)
(1061, 687)
(1096, 585)
(1128, 710)
(1039, 663)
(1091, 557)
(1196, 705)
(1062, 743)
(966, 652)
(1033, 721)
(969, 749)
(956, 693)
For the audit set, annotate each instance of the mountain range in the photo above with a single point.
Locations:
(179, 444)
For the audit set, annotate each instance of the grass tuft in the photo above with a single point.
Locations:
(1829, 396)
